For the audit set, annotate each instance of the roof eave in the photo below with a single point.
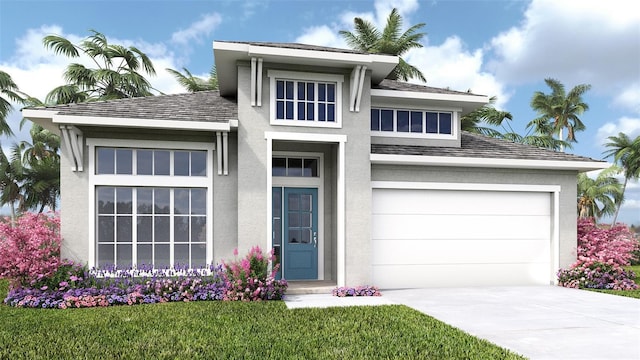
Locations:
(478, 162)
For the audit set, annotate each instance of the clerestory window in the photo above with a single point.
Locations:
(411, 122)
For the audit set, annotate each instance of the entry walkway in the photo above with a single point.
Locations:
(539, 322)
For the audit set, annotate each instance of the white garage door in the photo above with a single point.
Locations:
(444, 238)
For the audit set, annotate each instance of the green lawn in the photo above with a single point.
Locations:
(627, 293)
(233, 330)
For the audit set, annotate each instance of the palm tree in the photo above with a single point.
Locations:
(193, 83)
(8, 92)
(367, 38)
(116, 74)
(559, 110)
(625, 152)
(11, 176)
(598, 197)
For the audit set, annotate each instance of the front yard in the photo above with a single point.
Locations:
(627, 293)
(233, 330)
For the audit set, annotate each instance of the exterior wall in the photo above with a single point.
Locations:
(225, 205)
(566, 180)
(74, 207)
(252, 171)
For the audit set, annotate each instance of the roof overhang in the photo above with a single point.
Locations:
(51, 120)
(227, 54)
(580, 166)
(466, 102)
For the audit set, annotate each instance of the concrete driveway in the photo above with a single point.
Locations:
(539, 322)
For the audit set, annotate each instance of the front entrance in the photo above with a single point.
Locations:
(295, 232)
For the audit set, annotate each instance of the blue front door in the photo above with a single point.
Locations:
(300, 234)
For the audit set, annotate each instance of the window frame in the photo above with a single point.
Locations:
(421, 135)
(275, 75)
(149, 181)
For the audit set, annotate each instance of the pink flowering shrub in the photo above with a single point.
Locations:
(602, 252)
(249, 278)
(29, 250)
(356, 291)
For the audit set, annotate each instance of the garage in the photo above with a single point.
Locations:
(451, 236)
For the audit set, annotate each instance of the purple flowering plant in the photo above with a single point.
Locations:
(251, 279)
(366, 290)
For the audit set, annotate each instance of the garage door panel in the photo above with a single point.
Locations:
(481, 227)
(395, 276)
(423, 252)
(394, 201)
(430, 238)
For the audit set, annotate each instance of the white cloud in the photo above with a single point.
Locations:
(627, 125)
(322, 35)
(197, 30)
(577, 41)
(629, 98)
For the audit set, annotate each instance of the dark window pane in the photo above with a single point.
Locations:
(198, 229)
(294, 219)
(402, 121)
(301, 87)
(124, 200)
(375, 119)
(432, 123)
(445, 123)
(289, 88)
(144, 164)
(181, 229)
(279, 167)
(181, 201)
(161, 229)
(106, 161)
(124, 229)
(106, 257)
(295, 167)
(161, 201)
(279, 89)
(106, 200)
(277, 231)
(310, 111)
(386, 120)
(321, 112)
(305, 219)
(145, 229)
(305, 202)
(280, 110)
(124, 162)
(331, 92)
(198, 255)
(198, 201)
(161, 257)
(310, 168)
(289, 115)
(294, 236)
(124, 256)
(181, 163)
(198, 163)
(161, 162)
(331, 112)
(145, 255)
(105, 228)
(294, 202)
(322, 92)
(181, 255)
(301, 111)
(310, 91)
(145, 201)
(416, 121)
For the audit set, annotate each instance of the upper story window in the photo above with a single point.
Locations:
(159, 162)
(412, 122)
(303, 99)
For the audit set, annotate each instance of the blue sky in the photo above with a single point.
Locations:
(494, 47)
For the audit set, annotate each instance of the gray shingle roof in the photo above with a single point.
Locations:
(206, 106)
(480, 146)
(388, 84)
(296, 46)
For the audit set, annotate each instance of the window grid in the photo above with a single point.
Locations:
(411, 121)
(155, 162)
(306, 100)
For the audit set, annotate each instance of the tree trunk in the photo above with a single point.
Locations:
(615, 216)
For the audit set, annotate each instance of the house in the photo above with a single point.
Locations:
(348, 176)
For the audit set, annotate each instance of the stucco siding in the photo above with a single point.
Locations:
(74, 207)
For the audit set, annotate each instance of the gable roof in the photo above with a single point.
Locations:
(206, 106)
(483, 151)
(388, 84)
